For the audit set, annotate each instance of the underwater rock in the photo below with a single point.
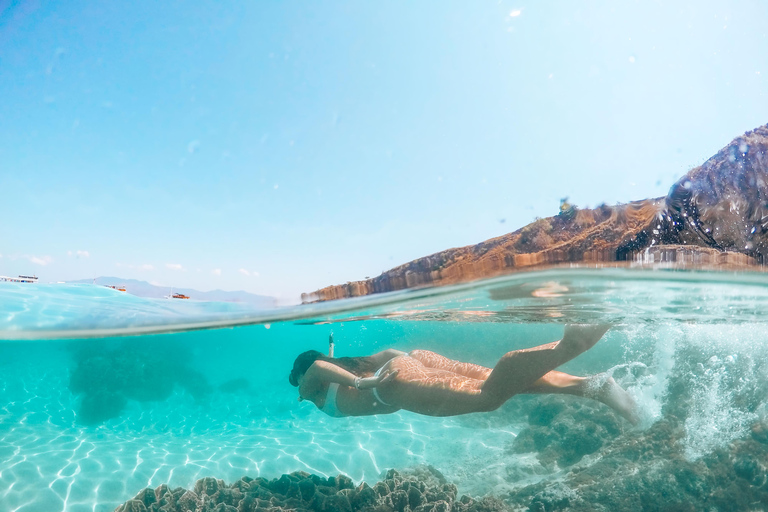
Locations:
(760, 432)
(99, 405)
(563, 430)
(545, 412)
(235, 385)
(106, 378)
(648, 471)
(194, 383)
(553, 497)
(716, 215)
(421, 489)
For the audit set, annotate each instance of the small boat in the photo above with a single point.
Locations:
(176, 295)
(120, 288)
(20, 279)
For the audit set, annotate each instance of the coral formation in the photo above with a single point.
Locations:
(423, 489)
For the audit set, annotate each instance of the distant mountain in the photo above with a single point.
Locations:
(144, 289)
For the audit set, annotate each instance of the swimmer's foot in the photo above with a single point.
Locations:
(607, 391)
(579, 338)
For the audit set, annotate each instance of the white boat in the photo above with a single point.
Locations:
(20, 279)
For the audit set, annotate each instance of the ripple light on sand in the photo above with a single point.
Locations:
(48, 462)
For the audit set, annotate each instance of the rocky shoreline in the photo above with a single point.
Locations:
(717, 212)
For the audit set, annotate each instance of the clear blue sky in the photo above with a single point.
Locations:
(309, 144)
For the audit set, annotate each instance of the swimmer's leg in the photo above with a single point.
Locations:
(434, 360)
(599, 387)
(518, 370)
(558, 383)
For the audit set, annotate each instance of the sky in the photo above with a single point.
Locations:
(279, 147)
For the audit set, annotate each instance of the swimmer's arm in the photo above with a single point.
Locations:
(323, 371)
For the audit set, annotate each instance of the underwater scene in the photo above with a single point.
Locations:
(113, 402)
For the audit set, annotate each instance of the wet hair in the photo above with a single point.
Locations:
(360, 366)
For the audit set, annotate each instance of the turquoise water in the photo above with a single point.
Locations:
(103, 394)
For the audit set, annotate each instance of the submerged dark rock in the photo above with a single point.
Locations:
(563, 430)
(100, 405)
(235, 386)
(715, 215)
(648, 471)
(105, 378)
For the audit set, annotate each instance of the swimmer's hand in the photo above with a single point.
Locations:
(372, 382)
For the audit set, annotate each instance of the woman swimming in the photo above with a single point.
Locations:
(427, 383)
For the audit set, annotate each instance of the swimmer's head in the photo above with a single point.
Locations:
(359, 366)
(302, 364)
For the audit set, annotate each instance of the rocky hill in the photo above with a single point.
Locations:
(717, 214)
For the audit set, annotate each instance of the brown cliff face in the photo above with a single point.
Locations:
(721, 205)
(724, 203)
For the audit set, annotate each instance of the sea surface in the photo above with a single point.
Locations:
(103, 394)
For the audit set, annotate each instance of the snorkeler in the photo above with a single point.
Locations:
(427, 383)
